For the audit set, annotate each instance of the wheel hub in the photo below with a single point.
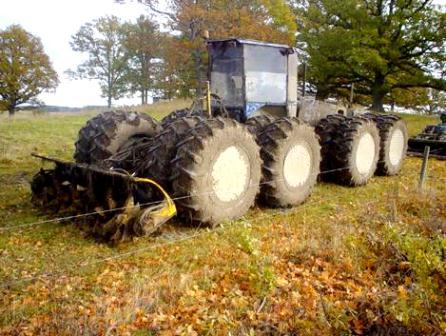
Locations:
(396, 147)
(230, 174)
(365, 153)
(297, 165)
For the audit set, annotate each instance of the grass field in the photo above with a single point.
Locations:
(348, 261)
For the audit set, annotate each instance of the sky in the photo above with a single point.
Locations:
(54, 22)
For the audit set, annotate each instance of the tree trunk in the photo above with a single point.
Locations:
(322, 92)
(109, 83)
(11, 106)
(378, 102)
(378, 93)
(143, 102)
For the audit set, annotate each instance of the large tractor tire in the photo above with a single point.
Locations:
(163, 150)
(131, 155)
(257, 124)
(107, 132)
(216, 172)
(393, 146)
(326, 129)
(291, 157)
(183, 113)
(355, 151)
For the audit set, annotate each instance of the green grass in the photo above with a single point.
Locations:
(416, 123)
(320, 268)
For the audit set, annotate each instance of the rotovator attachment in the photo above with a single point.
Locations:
(114, 203)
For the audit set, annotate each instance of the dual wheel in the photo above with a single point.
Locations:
(356, 148)
(214, 168)
(221, 167)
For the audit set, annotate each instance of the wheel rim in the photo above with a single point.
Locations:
(297, 165)
(396, 148)
(365, 153)
(230, 174)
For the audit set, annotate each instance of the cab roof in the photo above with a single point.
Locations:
(250, 42)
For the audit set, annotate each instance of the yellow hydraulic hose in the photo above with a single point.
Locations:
(208, 98)
(167, 211)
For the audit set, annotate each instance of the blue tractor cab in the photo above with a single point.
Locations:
(252, 77)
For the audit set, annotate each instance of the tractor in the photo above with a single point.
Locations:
(252, 139)
(433, 136)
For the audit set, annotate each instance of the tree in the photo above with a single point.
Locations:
(428, 101)
(173, 71)
(413, 98)
(381, 45)
(103, 40)
(25, 69)
(268, 20)
(437, 102)
(143, 42)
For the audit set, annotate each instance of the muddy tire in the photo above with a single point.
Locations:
(257, 124)
(290, 152)
(325, 129)
(107, 132)
(131, 155)
(216, 172)
(183, 113)
(163, 150)
(393, 146)
(355, 151)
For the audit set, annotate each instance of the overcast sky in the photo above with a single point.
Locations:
(55, 21)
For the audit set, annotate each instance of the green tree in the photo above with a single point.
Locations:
(102, 40)
(170, 71)
(381, 45)
(437, 102)
(143, 42)
(414, 98)
(268, 20)
(25, 69)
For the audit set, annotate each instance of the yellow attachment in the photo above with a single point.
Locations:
(141, 221)
(208, 98)
(170, 209)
